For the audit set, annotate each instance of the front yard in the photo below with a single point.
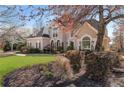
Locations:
(10, 63)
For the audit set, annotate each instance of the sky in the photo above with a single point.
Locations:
(31, 23)
(110, 28)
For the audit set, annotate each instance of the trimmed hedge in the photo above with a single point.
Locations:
(34, 50)
(26, 50)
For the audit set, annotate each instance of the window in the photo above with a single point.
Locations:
(52, 44)
(55, 33)
(55, 45)
(63, 45)
(79, 45)
(86, 43)
(36, 45)
(39, 45)
(30, 44)
(58, 43)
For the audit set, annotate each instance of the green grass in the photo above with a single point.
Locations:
(10, 63)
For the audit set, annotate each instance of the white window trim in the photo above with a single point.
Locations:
(90, 41)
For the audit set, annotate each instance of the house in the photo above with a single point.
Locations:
(118, 40)
(83, 37)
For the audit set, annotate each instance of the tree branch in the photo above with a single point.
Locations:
(114, 18)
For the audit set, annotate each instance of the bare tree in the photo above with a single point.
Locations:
(12, 36)
(9, 23)
(104, 14)
(38, 27)
(8, 15)
(118, 38)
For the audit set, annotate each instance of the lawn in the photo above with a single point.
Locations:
(10, 63)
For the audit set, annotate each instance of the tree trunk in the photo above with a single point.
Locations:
(99, 41)
(101, 31)
(11, 46)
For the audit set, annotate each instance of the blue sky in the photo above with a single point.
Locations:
(110, 28)
(31, 23)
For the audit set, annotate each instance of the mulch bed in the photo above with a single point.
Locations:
(52, 76)
(34, 76)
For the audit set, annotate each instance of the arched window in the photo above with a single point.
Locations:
(58, 43)
(86, 43)
(52, 44)
(36, 45)
(63, 45)
(39, 45)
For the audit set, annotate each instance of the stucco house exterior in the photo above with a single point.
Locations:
(83, 36)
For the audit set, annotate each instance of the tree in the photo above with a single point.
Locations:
(70, 16)
(118, 34)
(38, 27)
(107, 14)
(13, 36)
(9, 22)
(64, 23)
(103, 14)
(8, 15)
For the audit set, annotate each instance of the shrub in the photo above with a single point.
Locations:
(49, 74)
(24, 50)
(34, 50)
(71, 46)
(47, 49)
(62, 67)
(20, 45)
(6, 47)
(99, 65)
(88, 52)
(75, 58)
(60, 49)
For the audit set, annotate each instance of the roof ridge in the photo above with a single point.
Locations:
(92, 22)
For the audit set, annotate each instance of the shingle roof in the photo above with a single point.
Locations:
(45, 35)
(39, 34)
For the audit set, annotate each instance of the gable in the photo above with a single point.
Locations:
(93, 23)
(88, 29)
